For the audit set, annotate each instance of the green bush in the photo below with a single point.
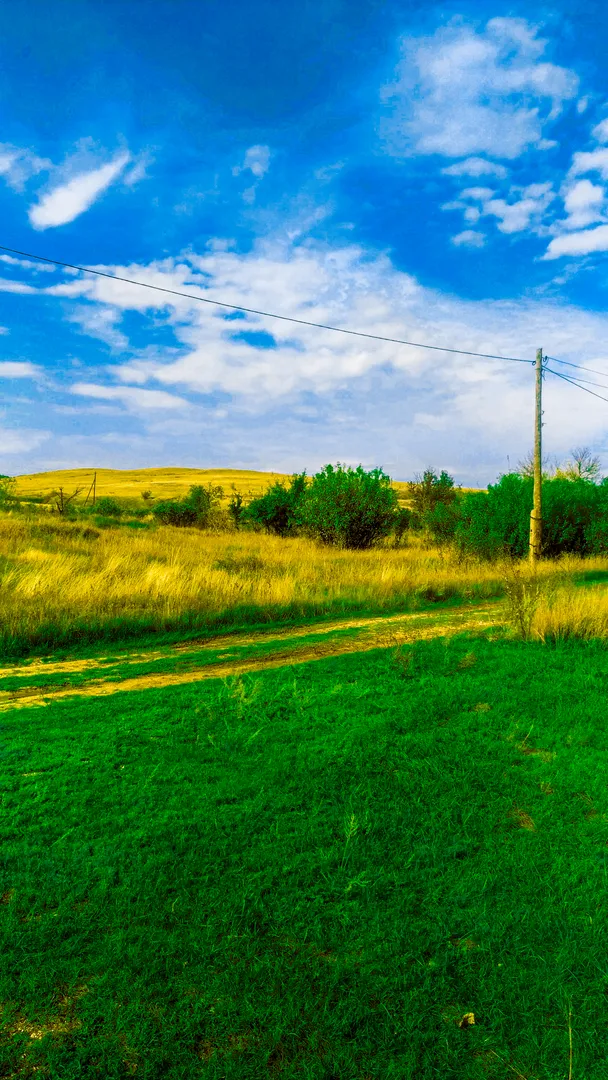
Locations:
(497, 522)
(108, 507)
(402, 521)
(428, 491)
(441, 521)
(195, 509)
(277, 509)
(349, 508)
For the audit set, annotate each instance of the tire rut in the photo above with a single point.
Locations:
(384, 636)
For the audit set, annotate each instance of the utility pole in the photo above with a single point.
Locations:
(536, 517)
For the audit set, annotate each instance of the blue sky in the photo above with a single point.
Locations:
(430, 173)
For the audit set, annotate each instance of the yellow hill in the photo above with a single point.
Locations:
(163, 483)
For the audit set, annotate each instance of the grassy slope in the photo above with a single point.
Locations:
(314, 872)
(163, 483)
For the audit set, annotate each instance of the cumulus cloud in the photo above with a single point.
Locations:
(22, 441)
(590, 161)
(67, 201)
(578, 243)
(476, 166)
(131, 396)
(600, 131)
(463, 92)
(583, 202)
(257, 160)
(232, 401)
(26, 264)
(469, 238)
(524, 211)
(19, 369)
(18, 165)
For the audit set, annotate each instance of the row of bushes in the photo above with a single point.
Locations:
(352, 508)
(496, 522)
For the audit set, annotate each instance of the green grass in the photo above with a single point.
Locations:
(82, 637)
(313, 872)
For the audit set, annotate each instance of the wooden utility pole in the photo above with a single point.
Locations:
(536, 517)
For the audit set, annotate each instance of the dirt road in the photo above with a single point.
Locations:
(195, 660)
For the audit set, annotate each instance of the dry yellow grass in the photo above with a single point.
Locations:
(569, 612)
(52, 573)
(163, 483)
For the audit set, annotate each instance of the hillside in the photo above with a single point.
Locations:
(163, 483)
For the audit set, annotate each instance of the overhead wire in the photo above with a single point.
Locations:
(575, 383)
(569, 363)
(266, 314)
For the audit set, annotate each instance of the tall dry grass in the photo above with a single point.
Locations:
(61, 579)
(570, 612)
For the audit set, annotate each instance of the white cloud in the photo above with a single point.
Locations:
(26, 264)
(366, 390)
(476, 166)
(66, 202)
(131, 396)
(583, 203)
(600, 131)
(464, 92)
(18, 165)
(22, 441)
(469, 238)
(590, 161)
(257, 160)
(525, 211)
(521, 214)
(19, 369)
(6, 285)
(578, 243)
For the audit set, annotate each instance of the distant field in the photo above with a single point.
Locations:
(163, 483)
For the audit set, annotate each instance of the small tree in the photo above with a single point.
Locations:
(62, 501)
(7, 490)
(583, 465)
(350, 508)
(401, 523)
(277, 509)
(195, 509)
(428, 490)
(146, 495)
(236, 507)
(525, 467)
(108, 507)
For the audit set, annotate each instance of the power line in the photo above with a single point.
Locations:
(575, 383)
(267, 314)
(579, 366)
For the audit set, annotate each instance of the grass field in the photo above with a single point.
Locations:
(65, 584)
(381, 865)
(276, 810)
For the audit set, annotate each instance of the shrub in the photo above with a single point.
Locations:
(108, 507)
(195, 509)
(497, 522)
(429, 490)
(236, 507)
(441, 521)
(402, 521)
(277, 509)
(350, 508)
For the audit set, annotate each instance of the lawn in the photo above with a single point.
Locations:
(379, 865)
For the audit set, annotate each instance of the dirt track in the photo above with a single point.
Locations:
(379, 632)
